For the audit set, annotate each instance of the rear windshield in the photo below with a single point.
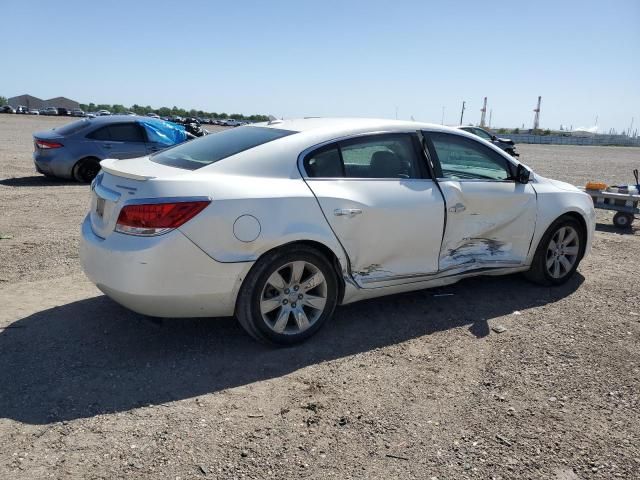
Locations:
(72, 127)
(206, 150)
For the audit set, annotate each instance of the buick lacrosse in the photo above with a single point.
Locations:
(280, 222)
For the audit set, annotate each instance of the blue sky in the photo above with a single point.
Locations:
(334, 58)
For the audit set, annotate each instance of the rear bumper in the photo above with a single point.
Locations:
(58, 164)
(163, 276)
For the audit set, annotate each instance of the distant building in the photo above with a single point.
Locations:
(30, 101)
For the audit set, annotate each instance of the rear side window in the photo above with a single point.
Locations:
(126, 132)
(206, 150)
(72, 127)
(119, 132)
(391, 156)
(325, 163)
(100, 134)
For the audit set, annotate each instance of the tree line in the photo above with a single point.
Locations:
(170, 112)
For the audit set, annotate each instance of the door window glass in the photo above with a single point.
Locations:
(381, 156)
(464, 158)
(324, 163)
(482, 134)
(126, 132)
(100, 134)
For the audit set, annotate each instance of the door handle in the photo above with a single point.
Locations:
(347, 212)
(458, 207)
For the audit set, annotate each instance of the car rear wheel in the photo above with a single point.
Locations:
(288, 296)
(86, 170)
(558, 254)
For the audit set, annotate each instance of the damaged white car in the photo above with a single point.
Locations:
(277, 223)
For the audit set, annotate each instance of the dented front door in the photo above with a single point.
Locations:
(489, 223)
(490, 217)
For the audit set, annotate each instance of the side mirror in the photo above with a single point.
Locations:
(522, 174)
(493, 138)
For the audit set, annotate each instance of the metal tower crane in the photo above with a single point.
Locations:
(484, 113)
(536, 119)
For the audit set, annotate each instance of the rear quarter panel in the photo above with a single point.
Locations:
(285, 208)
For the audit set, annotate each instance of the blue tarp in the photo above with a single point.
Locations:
(166, 133)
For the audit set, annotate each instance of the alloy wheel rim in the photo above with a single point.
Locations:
(293, 298)
(562, 252)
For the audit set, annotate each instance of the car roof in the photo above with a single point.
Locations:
(339, 127)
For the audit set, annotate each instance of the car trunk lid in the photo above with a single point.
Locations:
(121, 181)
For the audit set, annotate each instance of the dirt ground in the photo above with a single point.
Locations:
(417, 385)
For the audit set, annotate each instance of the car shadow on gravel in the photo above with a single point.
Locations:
(94, 357)
(604, 227)
(37, 181)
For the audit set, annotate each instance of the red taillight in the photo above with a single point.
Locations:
(157, 218)
(45, 144)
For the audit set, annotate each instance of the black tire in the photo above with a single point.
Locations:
(255, 285)
(623, 220)
(86, 170)
(539, 272)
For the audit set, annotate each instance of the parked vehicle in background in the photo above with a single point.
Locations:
(171, 235)
(505, 144)
(21, 109)
(34, 111)
(232, 123)
(76, 149)
(49, 111)
(63, 111)
(153, 115)
(102, 113)
(77, 112)
(7, 109)
(91, 115)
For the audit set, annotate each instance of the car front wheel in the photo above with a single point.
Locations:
(288, 296)
(558, 254)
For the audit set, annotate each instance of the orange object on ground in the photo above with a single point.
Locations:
(596, 186)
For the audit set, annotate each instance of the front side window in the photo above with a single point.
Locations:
(389, 156)
(482, 134)
(209, 149)
(463, 158)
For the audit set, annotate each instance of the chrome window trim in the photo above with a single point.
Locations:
(308, 150)
(475, 180)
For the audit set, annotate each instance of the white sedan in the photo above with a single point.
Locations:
(277, 223)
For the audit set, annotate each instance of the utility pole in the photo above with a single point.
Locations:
(483, 111)
(396, 112)
(442, 121)
(490, 115)
(462, 112)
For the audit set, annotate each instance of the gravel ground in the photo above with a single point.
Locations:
(409, 386)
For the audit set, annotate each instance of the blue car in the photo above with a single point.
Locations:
(75, 150)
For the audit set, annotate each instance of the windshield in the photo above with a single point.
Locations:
(212, 148)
